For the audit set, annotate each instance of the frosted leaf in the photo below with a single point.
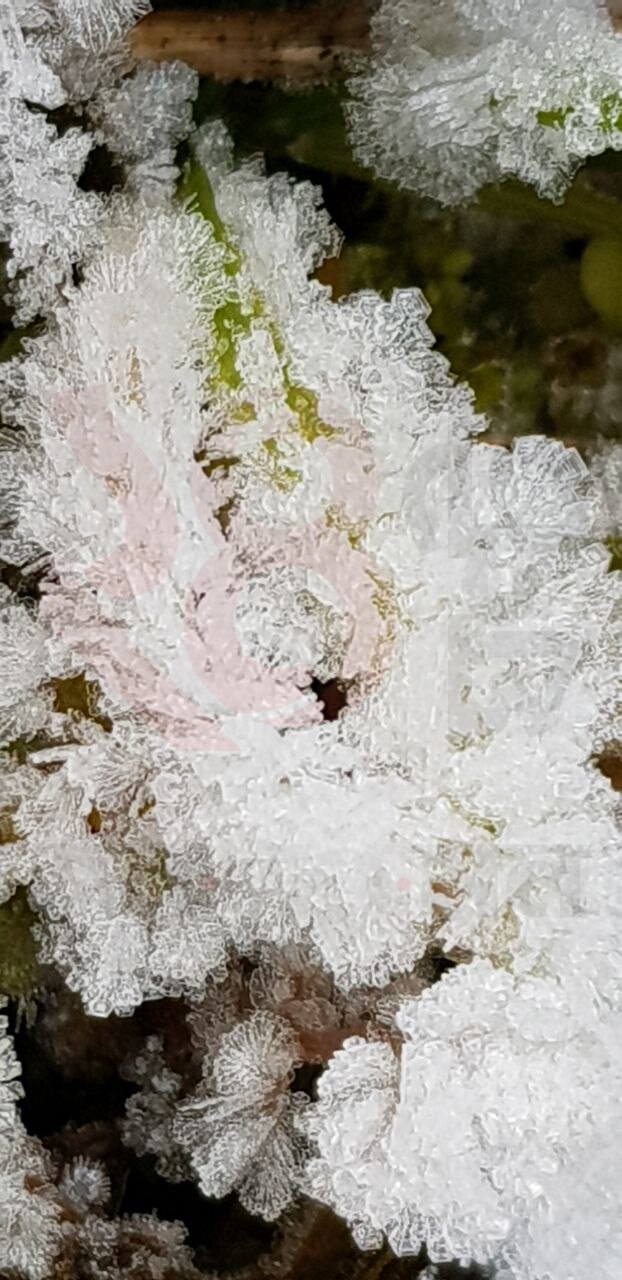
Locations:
(461, 93)
(111, 919)
(24, 70)
(288, 983)
(10, 1088)
(238, 1129)
(132, 1248)
(71, 50)
(607, 472)
(145, 115)
(142, 118)
(188, 942)
(150, 1113)
(480, 1140)
(291, 983)
(47, 56)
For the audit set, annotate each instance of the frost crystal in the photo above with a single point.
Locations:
(243, 488)
(46, 219)
(483, 1139)
(50, 55)
(96, 23)
(238, 498)
(30, 1228)
(239, 1128)
(24, 706)
(85, 1183)
(461, 93)
(142, 118)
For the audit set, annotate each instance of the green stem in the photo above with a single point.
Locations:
(583, 212)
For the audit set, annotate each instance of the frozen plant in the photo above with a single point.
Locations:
(238, 498)
(242, 488)
(52, 1221)
(141, 118)
(60, 54)
(461, 93)
(30, 1209)
(482, 1137)
(239, 1127)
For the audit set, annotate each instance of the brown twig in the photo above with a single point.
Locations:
(304, 46)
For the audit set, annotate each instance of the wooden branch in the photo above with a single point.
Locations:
(304, 46)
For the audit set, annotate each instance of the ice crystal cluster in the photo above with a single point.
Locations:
(461, 93)
(236, 498)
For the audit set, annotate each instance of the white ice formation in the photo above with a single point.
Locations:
(239, 500)
(462, 93)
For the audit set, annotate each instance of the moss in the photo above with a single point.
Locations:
(554, 119)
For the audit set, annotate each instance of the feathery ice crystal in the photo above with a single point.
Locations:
(481, 1138)
(460, 93)
(57, 54)
(234, 493)
(241, 488)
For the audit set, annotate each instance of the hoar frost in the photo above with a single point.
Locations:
(481, 1138)
(233, 491)
(461, 93)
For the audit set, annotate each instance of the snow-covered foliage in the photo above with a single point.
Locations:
(460, 93)
(236, 496)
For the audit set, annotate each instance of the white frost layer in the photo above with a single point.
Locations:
(492, 1137)
(460, 591)
(460, 93)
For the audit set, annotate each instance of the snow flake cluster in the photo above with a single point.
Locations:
(236, 500)
(461, 93)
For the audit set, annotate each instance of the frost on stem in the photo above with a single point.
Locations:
(460, 93)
